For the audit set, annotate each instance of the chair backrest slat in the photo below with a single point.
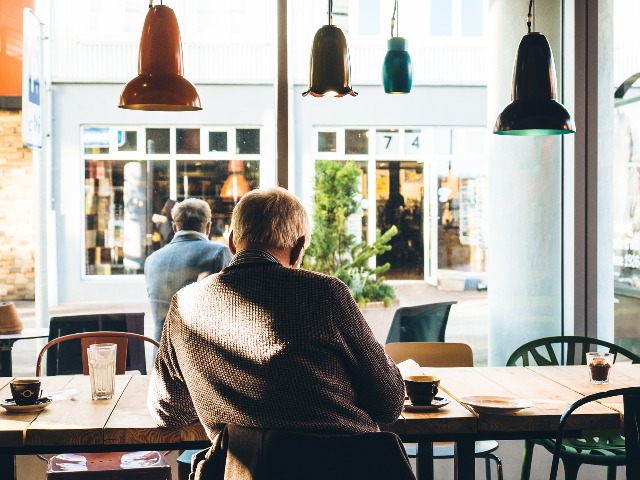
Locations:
(420, 323)
(432, 354)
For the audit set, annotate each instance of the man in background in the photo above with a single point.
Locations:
(189, 257)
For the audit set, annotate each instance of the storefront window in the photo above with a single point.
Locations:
(128, 180)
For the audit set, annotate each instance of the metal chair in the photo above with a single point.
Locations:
(65, 358)
(631, 396)
(597, 447)
(444, 354)
(147, 465)
(421, 323)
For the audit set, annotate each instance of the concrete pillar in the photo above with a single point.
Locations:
(525, 196)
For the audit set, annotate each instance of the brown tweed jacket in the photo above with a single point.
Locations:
(261, 345)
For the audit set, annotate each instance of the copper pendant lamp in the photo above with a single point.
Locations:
(236, 185)
(330, 68)
(160, 84)
(534, 109)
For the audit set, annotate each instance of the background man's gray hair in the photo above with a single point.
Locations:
(191, 214)
(270, 217)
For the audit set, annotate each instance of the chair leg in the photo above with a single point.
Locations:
(487, 468)
(487, 458)
(527, 457)
(611, 472)
(570, 469)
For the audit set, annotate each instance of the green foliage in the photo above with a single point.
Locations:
(333, 250)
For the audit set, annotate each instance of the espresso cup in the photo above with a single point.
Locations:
(421, 389)
(25, 392)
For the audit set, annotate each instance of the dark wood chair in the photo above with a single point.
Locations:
(420, 323)
(65, 358)
(631, 398)
(143, 465)
(597, 447)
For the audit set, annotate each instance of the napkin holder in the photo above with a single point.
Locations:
(9, 319)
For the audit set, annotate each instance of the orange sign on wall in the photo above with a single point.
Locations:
(11, 46)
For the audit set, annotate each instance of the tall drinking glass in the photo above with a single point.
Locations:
(102, 370)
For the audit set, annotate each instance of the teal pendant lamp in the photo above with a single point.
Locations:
(397, 69)
(330, 68)
(533, 109)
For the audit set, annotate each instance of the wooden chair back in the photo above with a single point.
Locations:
(88, 338)
(432, 354)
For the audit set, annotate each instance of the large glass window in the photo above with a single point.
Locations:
(129, 179)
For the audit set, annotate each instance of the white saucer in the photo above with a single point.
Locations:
(437, 403)
(496, 405)
(10, 406)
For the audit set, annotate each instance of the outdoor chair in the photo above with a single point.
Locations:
(443, 354)
(631, 398)
(421, 323)
(147, 465)
(598, 447)
(65, 358)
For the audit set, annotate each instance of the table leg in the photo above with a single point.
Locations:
(6, 367)
(465, 462)
(424, 461)
(8, 466)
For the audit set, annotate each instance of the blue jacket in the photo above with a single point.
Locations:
(176, 265)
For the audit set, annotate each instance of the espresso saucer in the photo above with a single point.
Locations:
(10, 405)
(436, 404)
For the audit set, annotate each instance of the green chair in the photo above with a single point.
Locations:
(604, 448)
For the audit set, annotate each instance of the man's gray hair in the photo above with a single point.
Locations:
(270, 217)
(191, 214)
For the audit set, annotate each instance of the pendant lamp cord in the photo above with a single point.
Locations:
(530, 17)
(330, 12)
(394, 19)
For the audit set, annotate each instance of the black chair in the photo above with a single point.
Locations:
(597, 448)
(631, 396)
(265, 454)
(421, 323)
(65, 358)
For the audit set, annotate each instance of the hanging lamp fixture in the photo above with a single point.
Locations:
(330, 69)
(160, 84)
(397, 69)
(236, 185)
(533, 109)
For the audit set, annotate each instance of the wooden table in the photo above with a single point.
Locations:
(123, 423)
(551, 389)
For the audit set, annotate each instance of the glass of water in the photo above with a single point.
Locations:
(102, 370)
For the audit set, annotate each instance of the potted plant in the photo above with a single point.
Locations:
(335, 251)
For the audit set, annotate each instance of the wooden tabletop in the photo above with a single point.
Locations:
(124, 422)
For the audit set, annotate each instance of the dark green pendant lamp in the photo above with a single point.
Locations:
(397, 69)
(534, 109)
(330, 69)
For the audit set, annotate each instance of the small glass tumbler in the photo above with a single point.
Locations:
(102, 370)
(599, 367)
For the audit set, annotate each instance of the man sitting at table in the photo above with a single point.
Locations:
(265, 344)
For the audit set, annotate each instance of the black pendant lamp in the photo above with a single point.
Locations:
(397, 69)
(533, 109)
(160, 84)
(330, 69)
